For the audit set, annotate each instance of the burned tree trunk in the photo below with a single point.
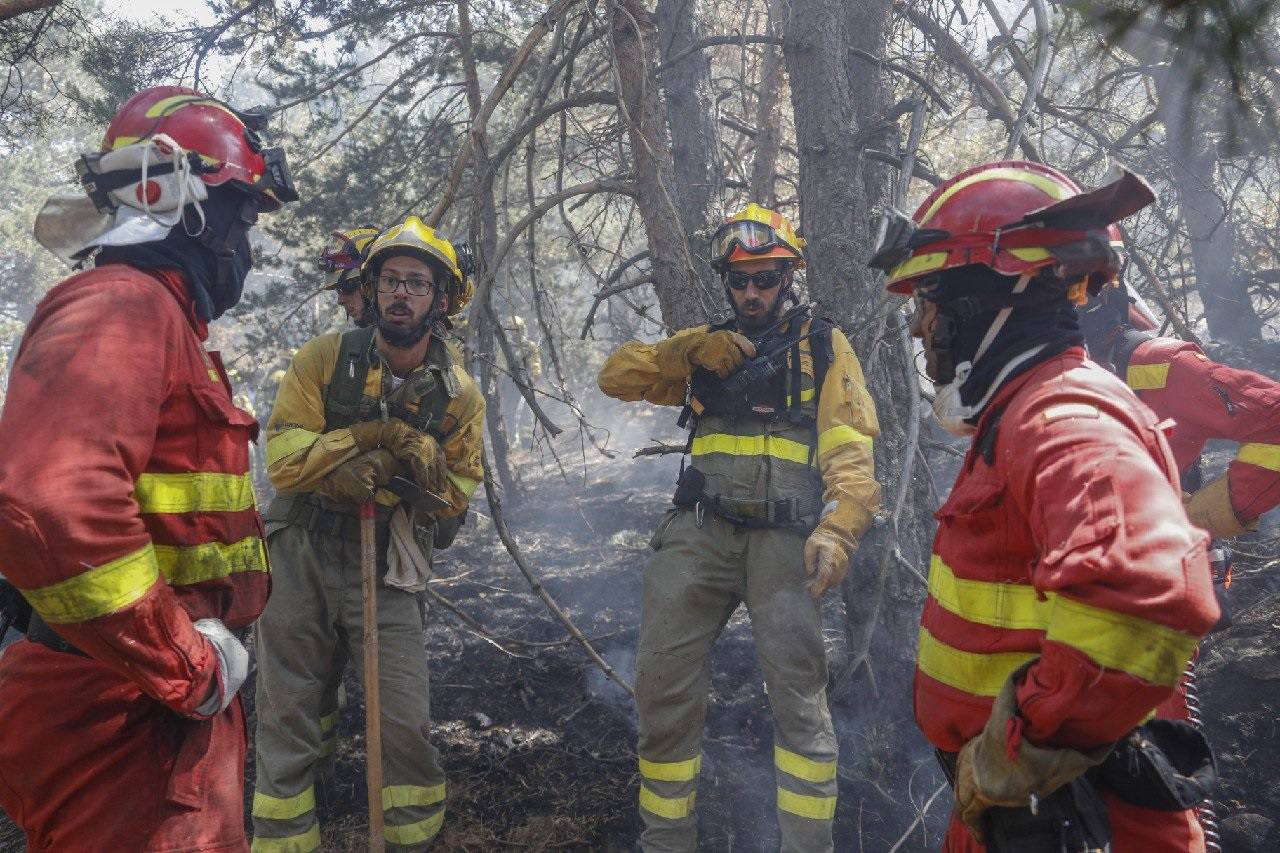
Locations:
(681, 296)
(764, 165)
(691, 112)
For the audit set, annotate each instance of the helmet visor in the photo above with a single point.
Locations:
(755, 238)
(339, 253)
(276, 182)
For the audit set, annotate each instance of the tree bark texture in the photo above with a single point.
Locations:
(681, 298)
(764, 165)
(691, 113)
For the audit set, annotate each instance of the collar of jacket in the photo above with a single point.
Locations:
(175, 283)
(1071, 356)
(439, 355)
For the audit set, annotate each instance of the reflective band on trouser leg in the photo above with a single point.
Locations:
(806, 788)
(285, 824)
(328, 734)
(668, 793)
(403, 807)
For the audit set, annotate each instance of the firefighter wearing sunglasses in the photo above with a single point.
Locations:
(340, 261)
(768, 513)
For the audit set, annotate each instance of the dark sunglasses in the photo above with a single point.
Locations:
(764, 280)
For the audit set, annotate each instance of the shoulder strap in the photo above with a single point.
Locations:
(346, 386)
(985, 441)
(823, 352)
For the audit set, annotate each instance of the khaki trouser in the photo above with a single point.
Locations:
(315, 612)
(692, 585)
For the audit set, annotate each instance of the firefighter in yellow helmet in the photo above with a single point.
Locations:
(768, 514)
(355, 410)
(340, 260)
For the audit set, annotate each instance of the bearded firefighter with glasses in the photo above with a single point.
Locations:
(768, 513)
(385, 412)
(1067, 588)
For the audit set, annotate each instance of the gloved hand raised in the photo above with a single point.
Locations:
(721, 352)
(233, 666)
(370, 435)
(357, 479)
(826, 560)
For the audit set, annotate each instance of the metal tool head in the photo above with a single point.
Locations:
(415, 496)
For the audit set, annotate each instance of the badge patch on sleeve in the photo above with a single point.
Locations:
(1070, 410)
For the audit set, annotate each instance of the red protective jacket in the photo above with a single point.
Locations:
(1210, 400)
(126, 513)
(1067, 541)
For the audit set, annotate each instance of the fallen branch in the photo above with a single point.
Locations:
(504, 533)
(919, 817)
(658, 448)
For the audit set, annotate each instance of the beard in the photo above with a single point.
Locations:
(404, 337)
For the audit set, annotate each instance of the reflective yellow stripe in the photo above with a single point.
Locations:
(1147, 377)
(289, 442)
(805, 395)
(1263, 455)
(402, 796)
(803, 768)
(414, 833)
(466, 485)
(672, 808)
(328, 721)
(284, 808)
(186, 565)
(839, 436)
(1003, 605)
(981, 674)
(752, 445)
(671, 771)
(98, 591)
(1030, 255)
(1148, 650)
(817, 808)
(1046, 185)
(1115, 640)
(197, 491)
(927, 262)
(304, 843)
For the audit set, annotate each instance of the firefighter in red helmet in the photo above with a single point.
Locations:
(1067, 589)
(129, 527)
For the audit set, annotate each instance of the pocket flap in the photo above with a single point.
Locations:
(218, 408)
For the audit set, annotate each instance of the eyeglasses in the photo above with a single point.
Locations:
(764, 279)
(412, 286)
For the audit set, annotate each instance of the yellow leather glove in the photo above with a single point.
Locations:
(1210, 508)
(986, 777)
(370, 435)
(357, 479)
(422, 455)
(721, 352)
(826, 560)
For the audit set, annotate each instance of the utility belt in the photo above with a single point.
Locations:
(1164, 765)
(309, 512)
(798, 511)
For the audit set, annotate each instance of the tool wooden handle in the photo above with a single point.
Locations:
(372, 696)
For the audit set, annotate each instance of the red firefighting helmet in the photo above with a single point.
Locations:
(226, 140)
(1015, 217)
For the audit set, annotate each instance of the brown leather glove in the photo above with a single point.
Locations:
(370, 435)
(826, 560)
(721, 352)
(986, 777)
(1210, 508)
(422, 455)
(357, 479)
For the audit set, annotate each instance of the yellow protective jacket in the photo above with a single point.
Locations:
(300, 453)
(749, 457)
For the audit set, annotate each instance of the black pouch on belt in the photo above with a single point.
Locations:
(1163, 764)
(690, 487)
(1073, 819)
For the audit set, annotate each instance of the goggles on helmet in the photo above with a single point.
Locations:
(755, 238)
(900, 236)
(340, 253)
(276, 182)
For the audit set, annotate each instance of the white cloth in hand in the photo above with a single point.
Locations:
(407, 567)
(233, 665)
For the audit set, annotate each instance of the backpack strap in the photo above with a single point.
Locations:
(345, 393)
(1127, 342)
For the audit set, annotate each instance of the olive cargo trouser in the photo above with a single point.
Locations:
(692, 585)
(315, 610)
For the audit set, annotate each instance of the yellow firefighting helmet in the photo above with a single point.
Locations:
(344, 253)
(413, 236)
(753, 233)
